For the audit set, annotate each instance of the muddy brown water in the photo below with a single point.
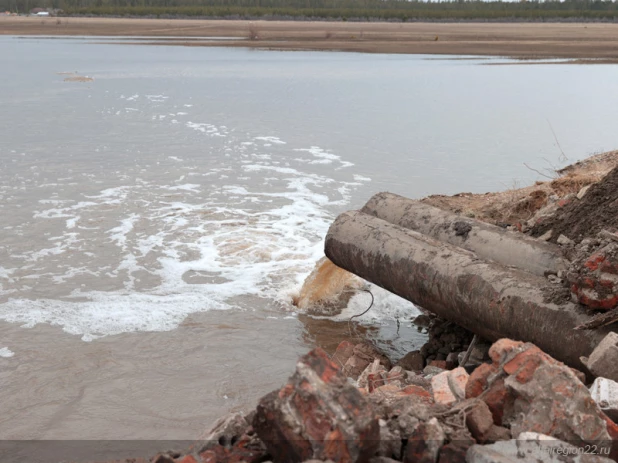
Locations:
(158, 221)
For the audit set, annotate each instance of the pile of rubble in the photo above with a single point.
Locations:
(520, 405)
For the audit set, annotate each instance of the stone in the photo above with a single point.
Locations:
(423, 446)
(546, 236)
(397, 373)
(455, 451)
(477, 356)
(583, 190)
(442, 392)
(452, 360)
(449, 387)
(608, 235)
(415, 379)
(226, 431)
(390, 440)
(527, 390)
(497, 433)
(386, 390)
(479, 419)
(317, 414)
(423, 320)
(458, 379)
(531, 447)
(412, 361)
(430, 371)
(604, 358)
(564, 240)
(605, 393)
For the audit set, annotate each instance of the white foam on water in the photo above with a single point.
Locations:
(119, 234)
(6, 272)
(6, 353)
(150, 247)
(271, 140)
(72, 222)
(386, 305)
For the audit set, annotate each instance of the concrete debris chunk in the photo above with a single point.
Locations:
(449, 386)
(535, 447)
(527, 390)
(593, 276)
(546, 236)
(605, 393)
(412, 361)
(364, 353)
(581, 193)
(317, 414)
(373, 376)
(564, 240)
(424, 444)
(604, 359)
(226, 431)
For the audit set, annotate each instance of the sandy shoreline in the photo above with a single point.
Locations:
(519, 40)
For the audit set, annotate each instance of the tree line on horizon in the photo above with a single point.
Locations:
(398, 10)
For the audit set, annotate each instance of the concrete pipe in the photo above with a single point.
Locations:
(486, 298)
(487, 241)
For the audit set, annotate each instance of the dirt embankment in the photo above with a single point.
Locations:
(521, 40)
(548, 204)
(597, 210)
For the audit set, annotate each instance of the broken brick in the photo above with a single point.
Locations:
(323, 417)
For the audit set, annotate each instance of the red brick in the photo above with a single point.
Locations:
(424, 443)
(503, 347)
(477, 382)
(524, 365)
(324, 418)
(416, 391)
(495, 397)
(479, 420)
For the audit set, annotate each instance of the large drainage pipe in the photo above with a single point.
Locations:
(487, 241)
(484, 297)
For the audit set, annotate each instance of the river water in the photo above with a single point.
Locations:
(157, 221)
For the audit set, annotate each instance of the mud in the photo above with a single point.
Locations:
(596, 211)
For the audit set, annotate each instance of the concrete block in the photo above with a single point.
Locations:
(605, 393)
(604, 359)
(530, 446)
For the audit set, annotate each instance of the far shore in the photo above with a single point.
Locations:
(581, 42)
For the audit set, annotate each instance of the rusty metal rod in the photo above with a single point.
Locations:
(484, 297)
